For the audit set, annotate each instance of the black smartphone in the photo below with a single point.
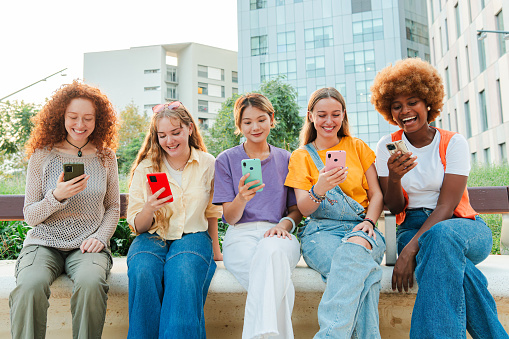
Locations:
(72, 171)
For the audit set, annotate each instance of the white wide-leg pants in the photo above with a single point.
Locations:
(263, 266)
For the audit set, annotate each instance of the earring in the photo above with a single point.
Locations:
(429, 108)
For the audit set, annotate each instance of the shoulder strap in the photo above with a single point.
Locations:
(314, 155)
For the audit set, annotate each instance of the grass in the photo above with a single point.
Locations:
(13, 233)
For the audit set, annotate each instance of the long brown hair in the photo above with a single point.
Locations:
(308, 131)
(50, 121)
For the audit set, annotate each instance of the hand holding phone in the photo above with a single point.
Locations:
(254, 168)
(157, 181)
(71, 181)
(396, 146)
(72, 171)
(335, 159)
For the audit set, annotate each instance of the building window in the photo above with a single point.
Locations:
(412, 53)
(203, 88)
(363, 94)
(447, 83)
(272, 69)
(457, 73)
(318, 37)
(211, 72)
(474, 158)
(416, 32)
(280, 2)
(467, 58)
(469, 11)
(446, 36)
(500, 108)
(503, 152)
(203, 106)
(487, 156)
(259, 45)
(203, 123)
(235, 77)
(482, 4)
(171, 74)
(257, 4)
(482, 55)
(171, 92)
(341, 87)
(433, 49)
(468, 121)
(151, 71)
(315, 67)
(361, 6)
(427, 57)
(483, 110)
(235, 90)
(499, 21)
(368, 30)
(203, 71)
(432, 10)
(153, 88)
(455, 121)
(358, 62)
(440, 39)
(457, 18)
(216, 91)
(286, 42)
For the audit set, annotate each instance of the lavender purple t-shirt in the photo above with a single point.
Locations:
(272, 203)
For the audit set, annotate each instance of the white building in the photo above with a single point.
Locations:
(199, 76)
(475, 72)
(330, 43)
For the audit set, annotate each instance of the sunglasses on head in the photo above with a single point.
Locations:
(161, 107)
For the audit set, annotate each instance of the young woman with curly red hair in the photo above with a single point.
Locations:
(439, 235)
(72, 220)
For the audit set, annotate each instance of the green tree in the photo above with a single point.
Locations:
(283, 97)
(132, 132)
(15, 125)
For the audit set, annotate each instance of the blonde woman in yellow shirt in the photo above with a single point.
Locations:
(171, 261)
(340, 240)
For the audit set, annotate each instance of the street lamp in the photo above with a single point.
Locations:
(43, 79)
(482, 34)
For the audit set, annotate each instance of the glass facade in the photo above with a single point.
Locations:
(318, 37)
(368, 30)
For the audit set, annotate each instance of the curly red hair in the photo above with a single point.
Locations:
(407, 77)
(49, 123)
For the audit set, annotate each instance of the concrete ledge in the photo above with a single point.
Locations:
(224, 309)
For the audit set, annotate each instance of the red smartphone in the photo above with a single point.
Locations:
(158, 181)
(335, 159)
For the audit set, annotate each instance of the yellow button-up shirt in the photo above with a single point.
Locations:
(192, 203)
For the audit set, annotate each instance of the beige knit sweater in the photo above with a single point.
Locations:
(92, 213)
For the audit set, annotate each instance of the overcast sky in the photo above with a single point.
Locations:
(41, 37)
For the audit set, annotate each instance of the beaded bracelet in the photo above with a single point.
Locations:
(317, 197)
(313, 198)
(370, 221)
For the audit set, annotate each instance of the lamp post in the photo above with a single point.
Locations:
(43, 79)
(483, 33)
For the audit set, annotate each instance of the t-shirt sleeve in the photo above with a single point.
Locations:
(367, 156)
(299, 172)
(458, 156)
(382, 156)
(224, 189)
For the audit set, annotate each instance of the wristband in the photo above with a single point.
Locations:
(370, 221)
(318, 197)
(292, 221)
(313, 198)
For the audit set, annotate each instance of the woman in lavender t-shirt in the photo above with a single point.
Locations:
(258, 248)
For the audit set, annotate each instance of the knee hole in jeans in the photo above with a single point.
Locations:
(360, 241)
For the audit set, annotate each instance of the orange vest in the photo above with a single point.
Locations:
(463, 210)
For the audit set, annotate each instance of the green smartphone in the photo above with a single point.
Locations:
(254, 168)
(72, 171)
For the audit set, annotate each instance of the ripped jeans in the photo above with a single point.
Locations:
(349, 305)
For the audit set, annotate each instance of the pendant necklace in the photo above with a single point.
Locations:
(79, 148)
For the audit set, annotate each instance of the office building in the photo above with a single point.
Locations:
(330, 43)
(475, 68)
(199, 76)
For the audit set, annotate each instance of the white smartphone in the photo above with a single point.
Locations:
(395, 146)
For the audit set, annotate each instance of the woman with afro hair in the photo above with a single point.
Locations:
(72, 220)
(439, 235)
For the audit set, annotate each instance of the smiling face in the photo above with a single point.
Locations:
(173, 137)
(409, 112)
(327, 118)
(255, 124)
(79, 120)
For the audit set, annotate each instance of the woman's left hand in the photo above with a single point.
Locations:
(218, 256)
(91, 245)
(279, 231)
(365, 227)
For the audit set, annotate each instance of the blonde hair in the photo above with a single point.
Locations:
(255, 100)
(308, 132)
(152, 150)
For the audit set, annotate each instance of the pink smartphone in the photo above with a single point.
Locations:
(158, 181)
(335, 159)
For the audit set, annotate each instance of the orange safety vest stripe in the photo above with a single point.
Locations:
(464, 209)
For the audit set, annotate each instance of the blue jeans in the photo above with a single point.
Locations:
(168, 285)
(453, 296)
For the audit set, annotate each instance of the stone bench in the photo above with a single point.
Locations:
(224, 308)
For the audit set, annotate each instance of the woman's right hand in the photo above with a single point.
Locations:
(67, 189)
(153, 203)
(399, 165)
(330, 179)
(245, 194)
